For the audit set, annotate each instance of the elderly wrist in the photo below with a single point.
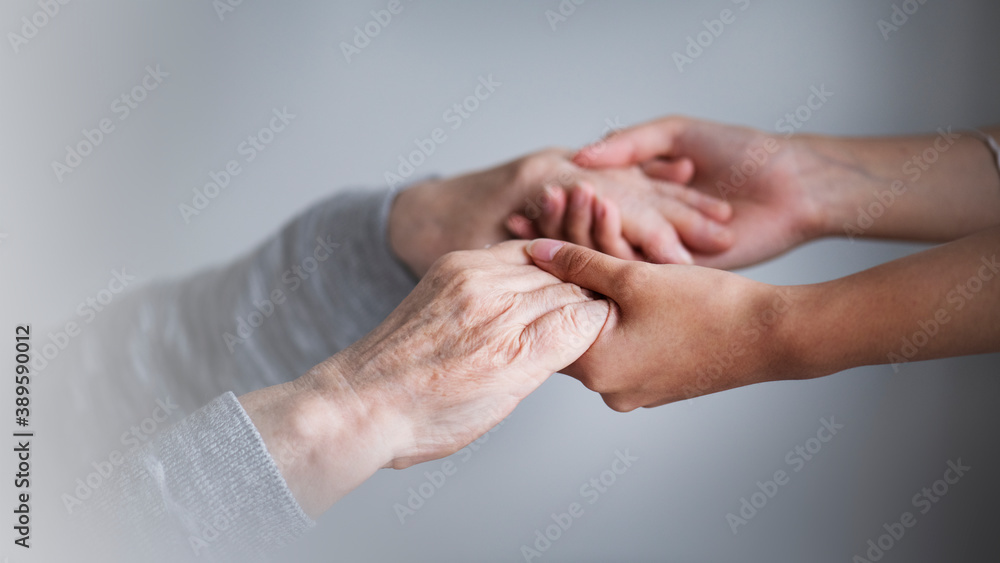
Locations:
(325, 437)
(415, 231)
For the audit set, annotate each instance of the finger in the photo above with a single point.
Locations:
(713, 207)
(657, 238)
(575, 264)
(550, 222)
(530, 305)
(696, 231)
(505, 265)
(579, 215)
(633, 145)
(677, 170)
(509, 252)
(608, 236)
(558, 338)
(521, 227)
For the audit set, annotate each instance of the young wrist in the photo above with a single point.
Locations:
(834, 177)
(811, 338)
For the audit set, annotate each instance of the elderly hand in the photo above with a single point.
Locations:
(480, 332)
(525, 197)
(675, 332)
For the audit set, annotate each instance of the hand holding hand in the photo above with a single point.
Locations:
(760, 175)
(674, 332)
(525, 197)
(480, 332)
(627, 214)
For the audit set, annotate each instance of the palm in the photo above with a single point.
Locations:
(759, 175)
(771, 209)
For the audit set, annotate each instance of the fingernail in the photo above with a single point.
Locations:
(720, 233)
(544, 249)
(579, 199)
(601, 210)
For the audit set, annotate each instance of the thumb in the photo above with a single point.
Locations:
(558, 338)
(586, 268)
(632, 146)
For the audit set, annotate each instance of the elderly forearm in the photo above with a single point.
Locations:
(324, 443)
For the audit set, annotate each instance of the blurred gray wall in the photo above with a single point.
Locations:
(560, 85)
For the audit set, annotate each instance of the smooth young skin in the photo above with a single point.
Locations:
(677, 332)
(481, 331)
(681, 332)
(813, 186)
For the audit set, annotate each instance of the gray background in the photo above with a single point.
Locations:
(608, 61)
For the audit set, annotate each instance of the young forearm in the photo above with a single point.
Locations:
(938, 303)
(935, 187)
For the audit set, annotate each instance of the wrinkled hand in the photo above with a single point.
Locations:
(760, 175)
(479, 333)
(625, 213)
(675, 332)
(525, 197)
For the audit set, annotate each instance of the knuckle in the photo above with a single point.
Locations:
(450, 263)
(620, 403)
(577, 261)
(631, 278)
(538, 167)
